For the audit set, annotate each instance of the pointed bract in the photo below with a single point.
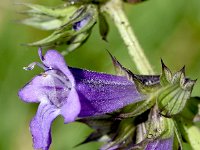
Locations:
(166, 75)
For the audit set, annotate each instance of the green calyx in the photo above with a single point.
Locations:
(176, 90)
(72, 24)
(158, 126)
(47, 18)
(123, 135)
(155, 128)
(169, 92)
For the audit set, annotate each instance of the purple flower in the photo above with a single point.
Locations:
(160, 144)
(72, 93)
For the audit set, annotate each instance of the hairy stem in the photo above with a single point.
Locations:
(115, 11)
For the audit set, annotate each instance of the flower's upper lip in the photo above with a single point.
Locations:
(53, 60)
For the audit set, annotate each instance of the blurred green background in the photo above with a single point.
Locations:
(167, 29)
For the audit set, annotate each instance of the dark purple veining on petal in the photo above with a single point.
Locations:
(58, 91)
(52, 84)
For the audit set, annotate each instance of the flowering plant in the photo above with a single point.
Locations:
(127, 111)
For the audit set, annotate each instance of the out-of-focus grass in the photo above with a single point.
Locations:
(166, 29)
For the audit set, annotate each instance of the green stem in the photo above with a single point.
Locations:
(115, 10)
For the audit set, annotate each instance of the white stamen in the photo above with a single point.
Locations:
(32, 65)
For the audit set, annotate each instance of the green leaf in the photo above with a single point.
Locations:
(44, 24)
(47, 18)
(49, 11)
(190, 132)
(192, 109)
